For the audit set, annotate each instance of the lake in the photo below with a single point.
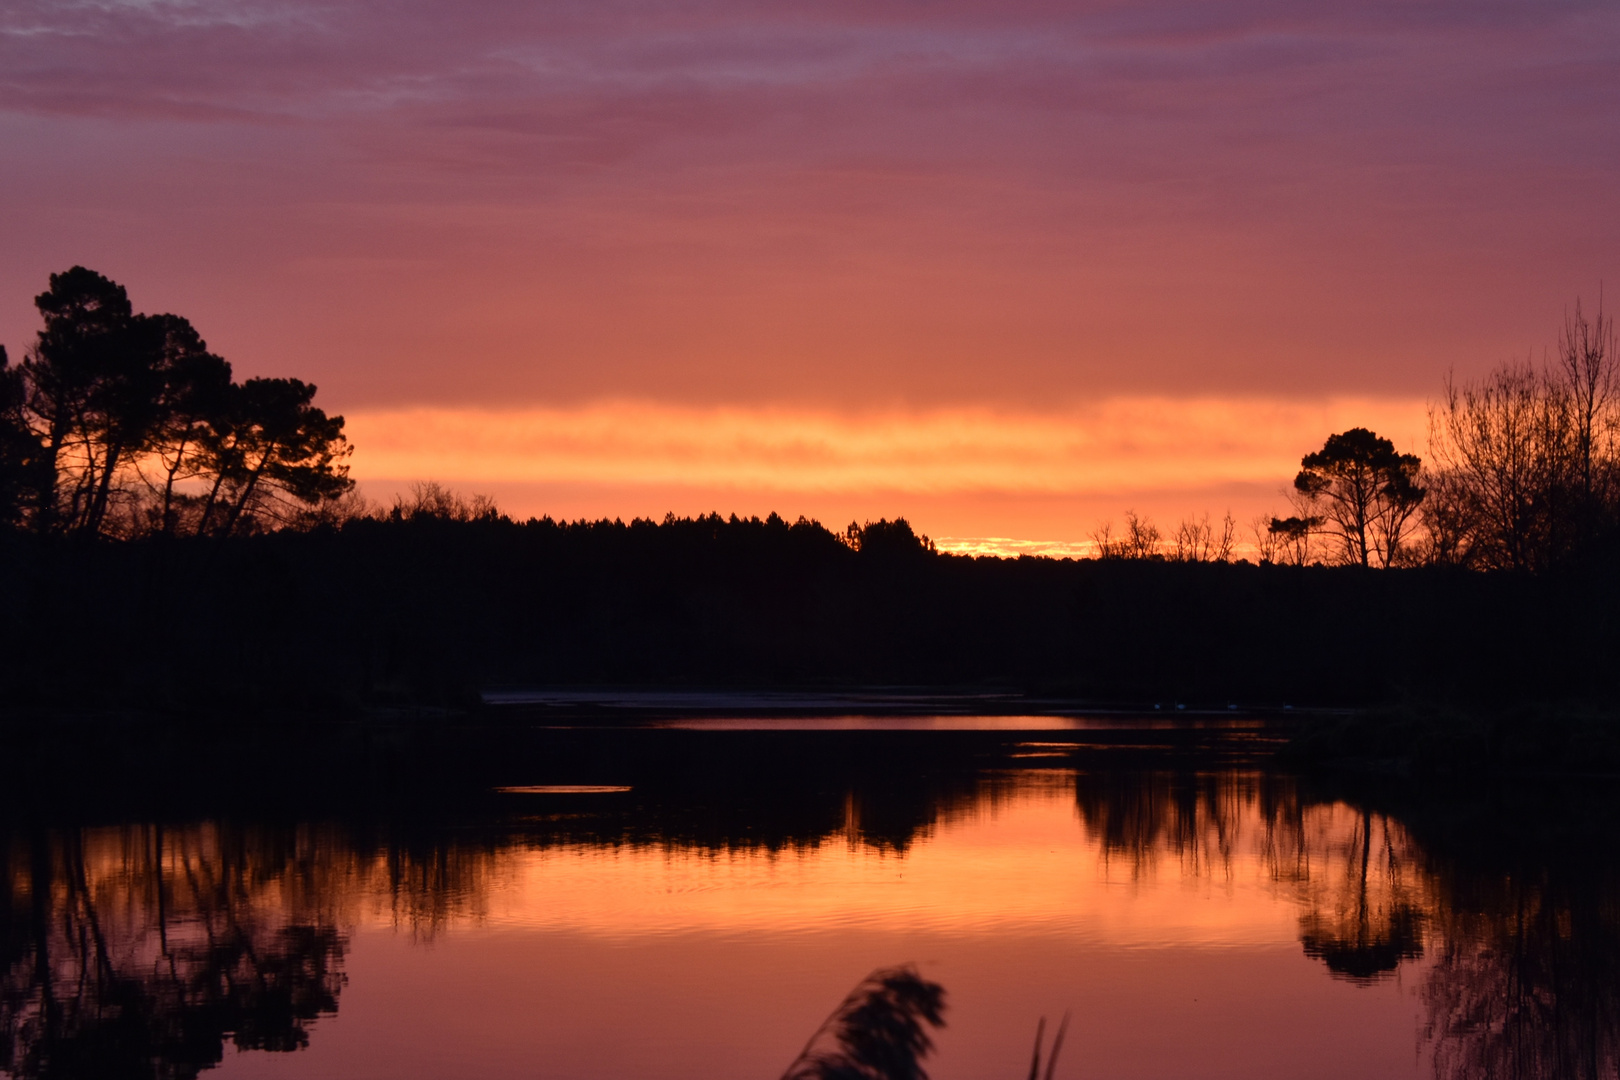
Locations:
(690, 895)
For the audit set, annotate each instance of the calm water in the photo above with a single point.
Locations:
(691, 903)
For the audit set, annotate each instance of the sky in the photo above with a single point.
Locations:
(1006, 268)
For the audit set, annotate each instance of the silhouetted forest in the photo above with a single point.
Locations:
(170, 537)
(426, 609)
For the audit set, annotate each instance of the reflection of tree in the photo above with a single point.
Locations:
(1140, 816)
(136, 952)
(1525, 975)
(1525, 941)
(139, 951)
(1364, 915)
(1352, 872)
(1527, 983)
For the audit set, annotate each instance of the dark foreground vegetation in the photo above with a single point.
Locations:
(423, 608)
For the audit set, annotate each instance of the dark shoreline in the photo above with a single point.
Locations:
(424, 614)
(104, 764)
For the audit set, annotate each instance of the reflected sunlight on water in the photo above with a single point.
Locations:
(1024, 861)
(1218, 924)
(951, 722)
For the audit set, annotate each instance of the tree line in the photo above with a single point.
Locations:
(119, 424)
(1523, 475)
(122, 424)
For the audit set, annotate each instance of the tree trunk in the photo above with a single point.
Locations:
(247, 490)
(96, 513)
(166, 527)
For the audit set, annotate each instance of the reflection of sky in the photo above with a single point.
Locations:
(1197, 925)
(1180, 955)
(832, 212)
(1023, 865)
(604, 960)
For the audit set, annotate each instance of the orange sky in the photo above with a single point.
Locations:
(1032, 474)
(541, 214)
(1185, 964)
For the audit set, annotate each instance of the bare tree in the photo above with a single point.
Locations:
(1449, 526)
(1192, 542)
(1267, 541)
(1197, 540)
(1142, 538)
(1587, 355)
(432, 500)
(1109, 546)
(1527, 459)
(1494, 440)
(1226, 540)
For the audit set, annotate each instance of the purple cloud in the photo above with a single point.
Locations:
(889, 198)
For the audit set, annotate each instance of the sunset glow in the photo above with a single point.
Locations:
(1119, 446)
(981, 873)
(760, 256)
(555, 538)
(487, 959)
(1120, 453)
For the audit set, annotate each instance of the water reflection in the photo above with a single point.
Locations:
(1352, 872)
(1526, 980)
(1365, 902)
(140, 949)
(137, 951)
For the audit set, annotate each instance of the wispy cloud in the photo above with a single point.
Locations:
(320, 58)
(1022, 203)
